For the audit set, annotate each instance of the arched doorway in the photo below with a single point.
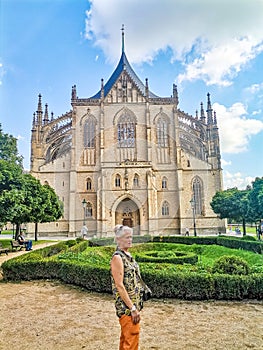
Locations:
(127, 214)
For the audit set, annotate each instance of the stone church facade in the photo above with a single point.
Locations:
(127, 156)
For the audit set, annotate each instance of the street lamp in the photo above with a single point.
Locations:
(84, 204)
(192, 201)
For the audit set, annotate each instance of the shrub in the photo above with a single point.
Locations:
(232, 265)
(237, 243)
(248, 238)
(170, 256)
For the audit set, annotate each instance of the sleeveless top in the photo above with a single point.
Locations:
(131, 281)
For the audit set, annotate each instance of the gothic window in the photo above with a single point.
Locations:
(165, 208)
(136, 180)
(117, 181)
(126, 131)
(89, 184)
(197, 195)
(89, 133)
(164, 182)
(162, 132)
(89, 210)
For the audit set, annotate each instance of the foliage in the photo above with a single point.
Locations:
(232, 265)
(167, 256)
(8, 149)
(76, 263)
(233, 204)
(256, 199)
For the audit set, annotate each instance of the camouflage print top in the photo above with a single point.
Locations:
(131, 281)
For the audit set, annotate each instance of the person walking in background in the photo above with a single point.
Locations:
(126, 287)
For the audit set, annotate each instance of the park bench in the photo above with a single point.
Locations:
(15, 245)
(3, 250)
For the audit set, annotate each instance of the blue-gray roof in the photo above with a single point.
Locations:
(123, 65)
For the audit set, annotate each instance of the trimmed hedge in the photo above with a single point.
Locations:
(186, 239)
(74, 265)
(174, 258)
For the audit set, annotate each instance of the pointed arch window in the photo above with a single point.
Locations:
(88, 184)
(117, 181)
(126, 131)
(89, 133)
(136, 180)
(89, 210)
(197, 195)
(164, 182)
(162, 132)
(165, 208)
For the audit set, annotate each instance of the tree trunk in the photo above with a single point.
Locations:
(36, 230)
(17, 231)
(244, 227)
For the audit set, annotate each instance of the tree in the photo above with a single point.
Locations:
(49, 207)
(8, 148)
(256, 200)
(29, 202)
(232, 204)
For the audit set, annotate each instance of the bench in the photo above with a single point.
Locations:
(15, 245)
(3, 250)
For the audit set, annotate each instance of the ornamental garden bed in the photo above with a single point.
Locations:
(86, 264)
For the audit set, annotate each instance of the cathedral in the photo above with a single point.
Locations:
(128, 156)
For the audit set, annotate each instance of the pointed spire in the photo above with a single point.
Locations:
(202, 112)
(215, 119)
(74, 92)
(34, 122)
(122, 39)
(146, 88)
(52, 116)
(39, 110)
(209, 110)
(39, 106)
(46, 114)
(196, 114)
(175, 94)
(102, 89)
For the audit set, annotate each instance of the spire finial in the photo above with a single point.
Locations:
(122, 34)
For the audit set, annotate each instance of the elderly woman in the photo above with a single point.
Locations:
(126, 288)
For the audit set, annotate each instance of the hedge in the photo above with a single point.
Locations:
(44, 264)
(178, 258)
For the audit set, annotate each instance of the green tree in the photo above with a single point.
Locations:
(8, 148)
(29, 202)
(256, 200)
(48, 209)
(232, 204)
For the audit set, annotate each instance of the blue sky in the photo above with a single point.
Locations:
(46, 46)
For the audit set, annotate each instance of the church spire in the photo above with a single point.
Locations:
(202, 112)
(46, 114)
(39, 110)
(122, 39)
(209, 110)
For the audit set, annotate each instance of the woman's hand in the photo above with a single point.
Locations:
(136, 317)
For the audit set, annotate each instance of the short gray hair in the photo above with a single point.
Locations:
(120, 230)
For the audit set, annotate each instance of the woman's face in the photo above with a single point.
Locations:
(125, 242)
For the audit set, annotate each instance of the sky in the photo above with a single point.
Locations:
(47, 46)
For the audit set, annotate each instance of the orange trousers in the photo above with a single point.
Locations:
(129, 339)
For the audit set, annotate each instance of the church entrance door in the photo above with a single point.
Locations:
(127, 214)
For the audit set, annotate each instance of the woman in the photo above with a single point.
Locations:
(126, 288)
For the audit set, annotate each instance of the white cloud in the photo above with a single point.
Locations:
(236, 180)
(220, 64)
(257, 112)
(225, 162)
(221, 36)
(254, 89)
(235, 127)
